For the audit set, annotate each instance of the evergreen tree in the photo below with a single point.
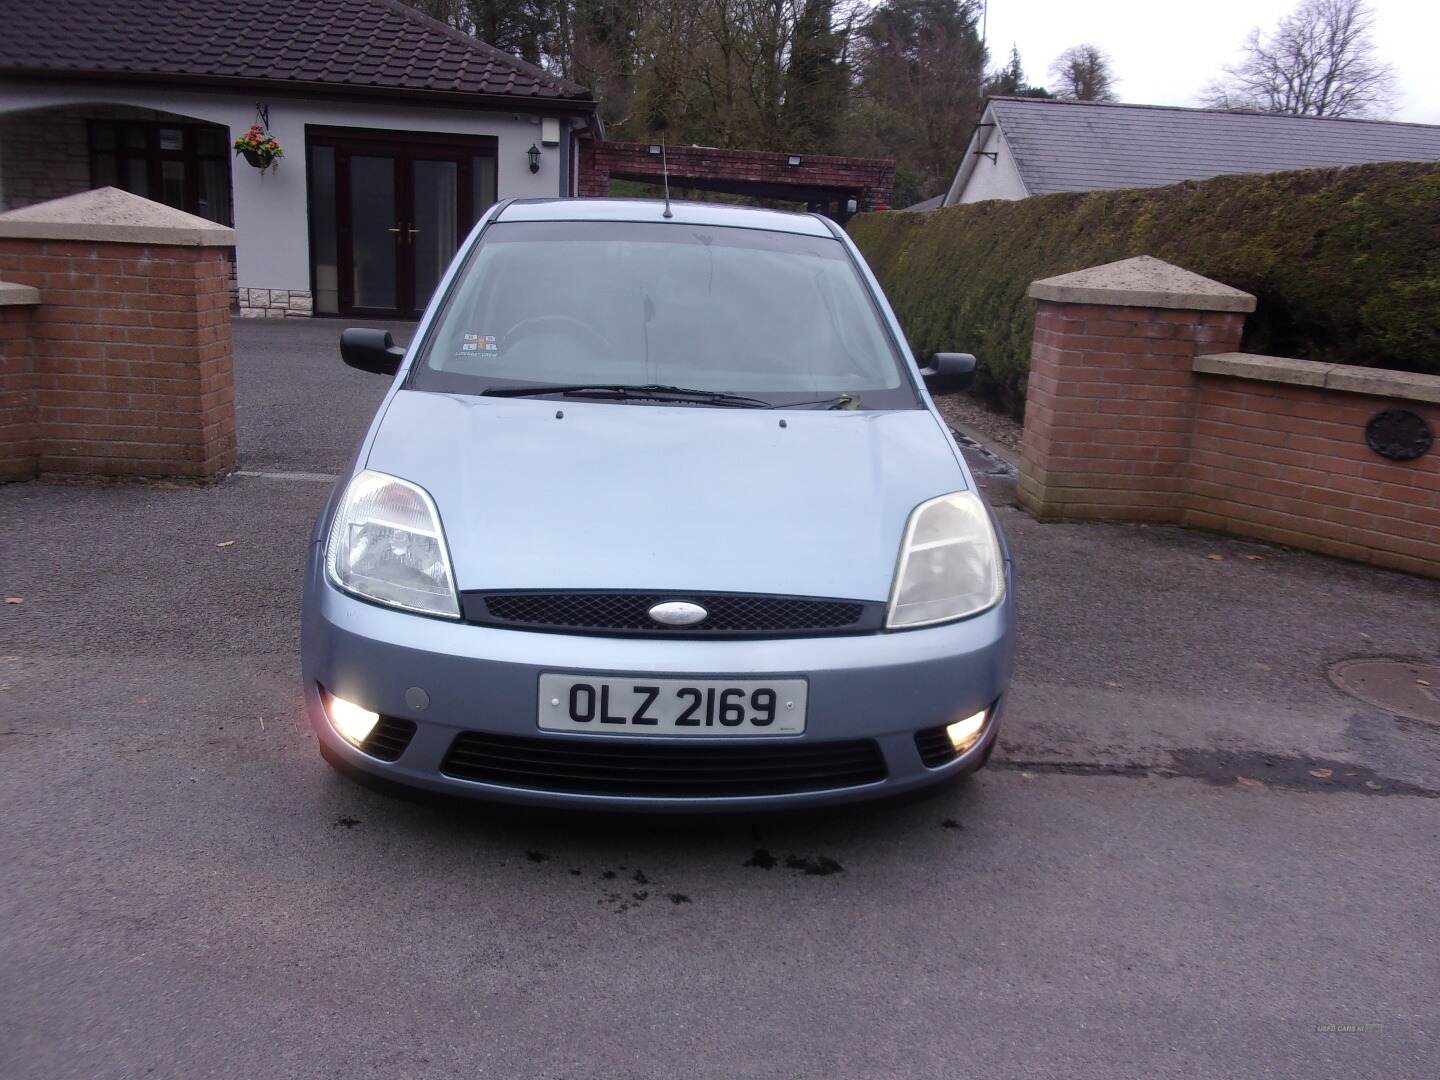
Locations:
(1009, 81)
(817, 83)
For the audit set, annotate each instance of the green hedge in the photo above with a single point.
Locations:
(1345, 263)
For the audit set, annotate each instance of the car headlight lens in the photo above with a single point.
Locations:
(386, 545)
(950, 563)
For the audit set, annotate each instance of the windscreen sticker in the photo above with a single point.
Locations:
(474, 345)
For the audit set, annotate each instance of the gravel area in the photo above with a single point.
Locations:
(962, 410)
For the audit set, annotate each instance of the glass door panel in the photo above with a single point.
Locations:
(324, 230)
(435, 223)
(482, 177)
(374, 229)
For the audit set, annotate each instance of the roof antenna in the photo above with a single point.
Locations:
(665, 176)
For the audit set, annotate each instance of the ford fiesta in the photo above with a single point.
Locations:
(657, 514)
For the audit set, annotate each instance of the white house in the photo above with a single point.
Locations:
(397, 131)
(1035, 146)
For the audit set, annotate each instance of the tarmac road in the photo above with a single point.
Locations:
(187, 891)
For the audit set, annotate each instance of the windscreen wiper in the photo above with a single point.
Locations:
(630, 391)
(841, 401)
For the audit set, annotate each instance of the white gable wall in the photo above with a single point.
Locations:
(991, 179)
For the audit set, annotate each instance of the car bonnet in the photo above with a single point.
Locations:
(562, 494)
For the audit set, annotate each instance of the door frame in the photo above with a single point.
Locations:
(404, 148)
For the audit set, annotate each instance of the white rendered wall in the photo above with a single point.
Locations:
(998, 179)
(272, 233)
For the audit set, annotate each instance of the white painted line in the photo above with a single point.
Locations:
(314, 477)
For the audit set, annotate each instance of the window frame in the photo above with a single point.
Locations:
(154, 156)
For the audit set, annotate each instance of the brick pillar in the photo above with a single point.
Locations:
(1111, 399)
(130, 343)
(18, 429)
(594, 177)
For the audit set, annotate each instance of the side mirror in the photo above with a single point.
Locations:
(948, 371)
(370, 350)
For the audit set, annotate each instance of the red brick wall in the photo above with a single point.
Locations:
(1118, 425)
(132, 356)
(870, 180)
(17, 399)
(1110, 406)
(1289, 464)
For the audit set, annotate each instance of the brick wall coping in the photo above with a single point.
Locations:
(109, 215)
(1143, 281)
(12, 294)
(1405, 385)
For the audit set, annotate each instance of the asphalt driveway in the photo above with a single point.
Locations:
(1150, 881)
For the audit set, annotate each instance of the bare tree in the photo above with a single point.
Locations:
(1083, 73)
(1320, 61)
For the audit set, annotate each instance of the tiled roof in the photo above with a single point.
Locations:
(364, 44)
(1082, 146)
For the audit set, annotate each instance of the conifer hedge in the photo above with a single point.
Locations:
(1344, 263)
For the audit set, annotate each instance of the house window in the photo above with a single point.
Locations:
(186, 166)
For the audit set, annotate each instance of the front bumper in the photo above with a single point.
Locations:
(884, 687)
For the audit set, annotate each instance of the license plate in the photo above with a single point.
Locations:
(642, 706)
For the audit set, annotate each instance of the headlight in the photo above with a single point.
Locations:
(386, 545)
(950, 563)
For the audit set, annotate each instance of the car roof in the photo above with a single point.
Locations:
(685, 213)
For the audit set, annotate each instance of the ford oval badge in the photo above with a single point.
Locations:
(678, 613)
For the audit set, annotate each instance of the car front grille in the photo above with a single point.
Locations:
(389, 738)
(730, 614)
(935, 747)
(633, 767)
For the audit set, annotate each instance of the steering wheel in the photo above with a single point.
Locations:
(539, 324)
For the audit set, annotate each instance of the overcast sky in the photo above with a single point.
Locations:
(1165, 51)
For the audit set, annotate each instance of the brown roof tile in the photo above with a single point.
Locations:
(378, 43)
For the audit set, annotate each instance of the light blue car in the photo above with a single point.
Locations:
(657, 515)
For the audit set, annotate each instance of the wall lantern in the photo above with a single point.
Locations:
(793, 159)
(655, 149)
(534, 155)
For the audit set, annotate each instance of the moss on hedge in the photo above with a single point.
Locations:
(1344, 263)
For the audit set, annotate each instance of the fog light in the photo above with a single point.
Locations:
(350, 720)
(965, 733)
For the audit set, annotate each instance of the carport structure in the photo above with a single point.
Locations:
(834, 186)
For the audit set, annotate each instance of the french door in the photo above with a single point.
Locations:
(387, 213)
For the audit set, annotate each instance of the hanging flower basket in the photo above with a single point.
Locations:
(259, 148)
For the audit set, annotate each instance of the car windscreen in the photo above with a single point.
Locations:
(778, 316)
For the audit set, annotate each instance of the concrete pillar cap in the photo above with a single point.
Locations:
(109, 215)
(13, 295)
(1142, 282)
